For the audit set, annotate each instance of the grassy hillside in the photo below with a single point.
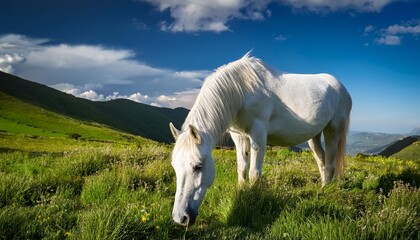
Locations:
(17, 117)
(99, 190)
(411, 152)
(399, 145)
(123, 115)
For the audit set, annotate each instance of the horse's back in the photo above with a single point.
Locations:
(296, 107)
(307, 95)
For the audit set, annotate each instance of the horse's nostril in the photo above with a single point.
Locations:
(185, 220)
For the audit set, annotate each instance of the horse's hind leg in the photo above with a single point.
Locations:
(332, 135)
(319, 154)
(242, 152)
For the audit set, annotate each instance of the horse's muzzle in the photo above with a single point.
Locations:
(186, 219)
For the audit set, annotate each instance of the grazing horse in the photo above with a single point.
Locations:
(258, 105)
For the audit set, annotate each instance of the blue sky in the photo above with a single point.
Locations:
(159, 51)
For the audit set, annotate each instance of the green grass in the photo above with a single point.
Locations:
(62, 178)
(122, 190)
(411, 152)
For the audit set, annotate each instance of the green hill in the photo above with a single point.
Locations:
(25, 126)
(398, 146)
(122, 115)
(412, 152)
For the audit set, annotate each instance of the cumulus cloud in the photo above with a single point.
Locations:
(199, 15)
(184, 98)
(393, 34)
(95, 72)
(412, 27)
(92, 95)
(8, 60)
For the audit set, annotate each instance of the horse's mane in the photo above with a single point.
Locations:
(222, 94)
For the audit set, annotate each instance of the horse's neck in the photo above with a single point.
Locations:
(212, 126)
(221, 97)
(213, 119)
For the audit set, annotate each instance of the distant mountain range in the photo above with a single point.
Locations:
(379, 143)
(152, 122)
(369, 143)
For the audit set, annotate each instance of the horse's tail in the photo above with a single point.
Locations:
(341, 151)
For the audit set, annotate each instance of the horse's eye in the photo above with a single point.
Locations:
(197, 167)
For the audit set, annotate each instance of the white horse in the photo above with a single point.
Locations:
(257, 105)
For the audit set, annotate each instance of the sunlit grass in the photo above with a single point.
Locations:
(125, 190)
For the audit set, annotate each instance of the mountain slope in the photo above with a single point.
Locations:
(398, 146)
(412, 152)
(123, 115)
(21, 118)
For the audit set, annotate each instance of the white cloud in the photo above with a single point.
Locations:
(20, 43)
(404, 29)
(179, 99)
(78, 56)
(341, 5)
(199, 15)
(369, 28)
(92, 95)
(388, 40)
(201, 74)
(93, 72)
(393, 34)
(8, 60)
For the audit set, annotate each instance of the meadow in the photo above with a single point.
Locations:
(63, 188)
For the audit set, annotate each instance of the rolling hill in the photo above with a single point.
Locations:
(399, 145)
(411, 152)
(21, 118)
(120, 114)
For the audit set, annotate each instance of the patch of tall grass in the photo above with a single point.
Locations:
(126, 191)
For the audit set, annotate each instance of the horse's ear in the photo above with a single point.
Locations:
(174, 131)
(195, 134)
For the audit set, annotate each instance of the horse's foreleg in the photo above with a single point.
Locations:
(258, 139)
(242, 152)
(319, 154)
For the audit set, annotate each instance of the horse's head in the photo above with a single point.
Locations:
(195, 172)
